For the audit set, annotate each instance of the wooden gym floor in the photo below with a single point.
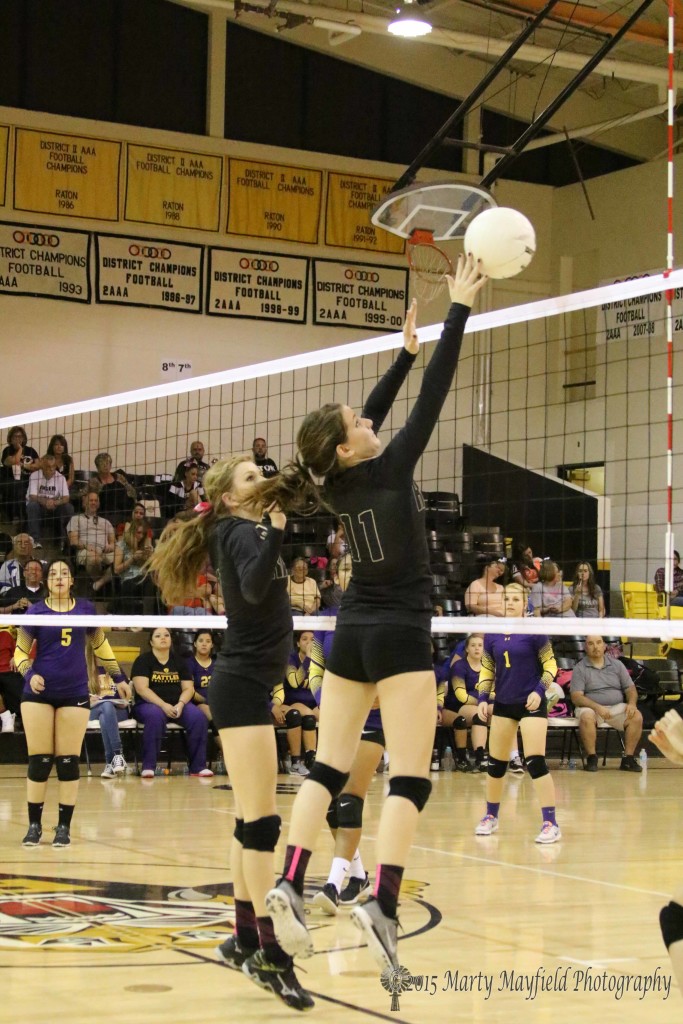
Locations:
(122, 926)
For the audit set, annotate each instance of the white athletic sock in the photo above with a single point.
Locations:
(338, 872)
(357, 870)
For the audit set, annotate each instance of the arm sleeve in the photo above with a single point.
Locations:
(278, 695)
(296, 676)
(105, 655)
(440, 693)
(317, 669)
(255, 561)
(22, 652)
(404, 450)
(458, 682)
(487, 676)
(546, 656)
(381, 398)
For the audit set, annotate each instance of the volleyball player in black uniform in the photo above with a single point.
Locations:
(252, 660)
(667, 735)
(382, 645)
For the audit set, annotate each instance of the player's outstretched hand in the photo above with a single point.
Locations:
(671, 724)
(663, 743)
(411, 341)
(468, 280)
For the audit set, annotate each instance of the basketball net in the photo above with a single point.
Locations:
(428, 265)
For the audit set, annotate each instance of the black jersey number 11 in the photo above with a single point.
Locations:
(362, 537)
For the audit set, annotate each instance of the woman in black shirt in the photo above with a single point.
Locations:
(19, 460)
(382, 644)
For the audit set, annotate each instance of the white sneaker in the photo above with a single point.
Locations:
(487, 826)
(300, 769)
(118, 764)
(549, 833)
(516, 766)
(7, 719)
(108, 772)
(147, 773)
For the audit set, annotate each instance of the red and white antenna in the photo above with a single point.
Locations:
(671, 96)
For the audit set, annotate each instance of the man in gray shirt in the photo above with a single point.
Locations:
(602, 691)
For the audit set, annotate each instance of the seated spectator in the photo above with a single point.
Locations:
(525, 568)
(295, 694)
(187, 492)
(602, 691)
(63, 462)
(19, 461)
(12, 569)
(109, 705)
(587, 600)
(137, 592)
(163, 694)
(197, 457)
(260, 451)
(92, 535)
(550, 597)
(304, 596)
(336, 542)
(11, 681)
(32, 590)
(138, 515)
(460, 710)
(676, 594)
(484, 596)
(117, 494)
(330, 591)
(47, 501)
(201, 664)
(202, 602)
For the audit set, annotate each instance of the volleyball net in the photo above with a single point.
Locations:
(553, 436)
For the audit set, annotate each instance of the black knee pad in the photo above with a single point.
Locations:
(477, 721)
(239, 830)
(68, 767)
(331, 816)
(460, 723)
(537, 766)
(330, 778)
(350, 811)
(39, 767)
(293, 719)
(262, 834)
(497, 768)
(671, 923)
(309, 723)
(411, 788)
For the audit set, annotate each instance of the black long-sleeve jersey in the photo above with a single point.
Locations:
(380, 506)
(253, 580)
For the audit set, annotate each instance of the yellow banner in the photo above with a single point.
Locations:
(273, 201)
(68, 175)
(350, 201)
(4, 145)
(174, 187)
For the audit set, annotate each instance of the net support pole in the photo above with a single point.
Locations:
(671, 104)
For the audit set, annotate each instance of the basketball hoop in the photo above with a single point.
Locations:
(428, 265)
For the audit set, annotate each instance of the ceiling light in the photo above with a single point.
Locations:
(408, 22)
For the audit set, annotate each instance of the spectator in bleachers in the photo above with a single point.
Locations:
(197, 456)
(330, 591)
(185, 492)
(587, 599)
(109, 705)
(525, 568)
(676, 595)
(163, 694)
(550, 597)
(19, 460)
(138, 515)
(461, 705)
(30, 591)
(63, 462)
(485, 595)
(603, 691)
(92, 535)
(11, 682)
(336, 542)
(117, 494)
(12, 569)
(47, 501)
(295, 694)
(265, 464)
(136, 589)
(304, 595)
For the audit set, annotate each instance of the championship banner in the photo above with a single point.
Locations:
(147, 272)
(49, 263)
(67, 175)
(257, 285)
(359, 295)
(273, 201)
(642, 317)
(173, 187)
(4, 148)
(350, 201)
